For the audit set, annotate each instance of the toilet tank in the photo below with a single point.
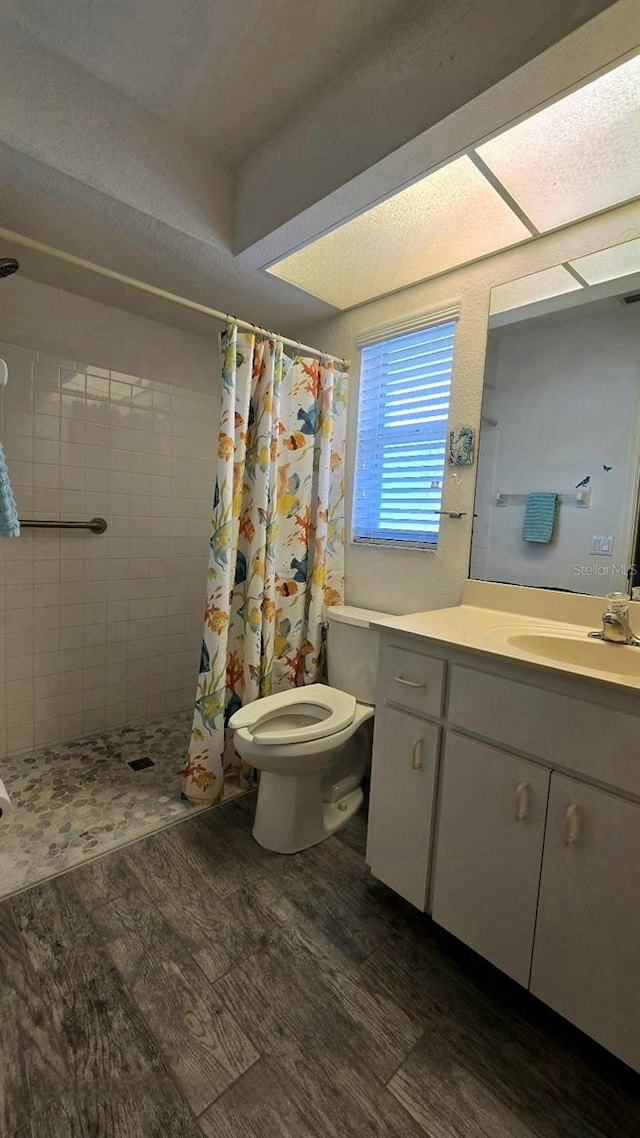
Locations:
(352, 651)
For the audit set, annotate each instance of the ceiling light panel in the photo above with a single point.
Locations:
(578, 156)
(449, 218)
(609, 264)
(528, 290)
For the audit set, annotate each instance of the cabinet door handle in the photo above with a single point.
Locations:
(571, 825)
(410, 683)
(522, 801)
(416, 754)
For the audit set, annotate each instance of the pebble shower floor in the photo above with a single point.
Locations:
(77, 800)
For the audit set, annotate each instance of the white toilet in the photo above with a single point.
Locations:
(307, 742)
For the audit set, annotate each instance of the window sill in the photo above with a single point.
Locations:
(419, 547)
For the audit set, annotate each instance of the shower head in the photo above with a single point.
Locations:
(8, 265)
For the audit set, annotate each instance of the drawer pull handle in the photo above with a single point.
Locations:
(571, 825)
(522, 801)
(416, 755)
(410, 683)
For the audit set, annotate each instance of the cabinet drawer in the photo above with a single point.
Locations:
(411, 680)
(591, 740)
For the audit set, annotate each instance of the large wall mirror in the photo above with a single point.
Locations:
(559, 456)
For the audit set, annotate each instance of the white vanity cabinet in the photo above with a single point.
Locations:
(586, 958)
(505, 801)
(490, 834)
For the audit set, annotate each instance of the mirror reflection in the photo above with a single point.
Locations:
(559, 455)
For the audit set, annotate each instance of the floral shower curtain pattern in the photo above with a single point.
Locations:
(277, 546)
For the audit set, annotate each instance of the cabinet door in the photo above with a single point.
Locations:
(489, 850)
(586, 959)
(405, 756)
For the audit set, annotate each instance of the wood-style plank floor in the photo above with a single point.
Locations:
(193, 984)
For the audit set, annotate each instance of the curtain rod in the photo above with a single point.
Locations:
(142, 286)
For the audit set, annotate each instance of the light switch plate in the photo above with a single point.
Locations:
(602, 544)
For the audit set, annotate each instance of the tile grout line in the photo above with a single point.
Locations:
(258, 1059)
(129, 983)
(143, 1025)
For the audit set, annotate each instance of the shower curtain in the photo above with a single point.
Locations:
(277, 546)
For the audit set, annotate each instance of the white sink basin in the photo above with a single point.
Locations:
(582, 652)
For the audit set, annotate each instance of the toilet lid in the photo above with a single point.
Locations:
(297, 716)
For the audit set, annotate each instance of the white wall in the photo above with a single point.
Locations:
(104, 414)
(564, 391)
(400, 581)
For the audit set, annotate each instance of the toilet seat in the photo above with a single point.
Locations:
(336, 710)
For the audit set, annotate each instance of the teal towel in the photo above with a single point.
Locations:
(9, 524)
(539, 517)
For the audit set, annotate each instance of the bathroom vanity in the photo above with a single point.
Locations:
(505, 794)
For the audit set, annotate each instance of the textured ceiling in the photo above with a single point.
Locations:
(227, 73)
(98, 228)
(175, 140)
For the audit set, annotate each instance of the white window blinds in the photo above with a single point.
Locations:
(405, 387)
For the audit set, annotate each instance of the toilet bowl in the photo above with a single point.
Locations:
(311, 744)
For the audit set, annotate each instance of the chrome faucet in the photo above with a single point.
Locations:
(615, 626)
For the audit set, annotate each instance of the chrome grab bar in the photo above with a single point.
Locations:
(96, 525)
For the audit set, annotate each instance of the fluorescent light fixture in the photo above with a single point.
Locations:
(609, 264)
(534, 287)
(447, 219)
(576, 157)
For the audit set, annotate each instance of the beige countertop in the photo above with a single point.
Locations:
(504, 621)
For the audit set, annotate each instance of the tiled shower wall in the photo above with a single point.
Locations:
(97, 631)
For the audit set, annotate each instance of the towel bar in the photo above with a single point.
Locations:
(581, 498)
(96, 525)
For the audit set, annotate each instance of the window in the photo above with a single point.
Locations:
(405, 388)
